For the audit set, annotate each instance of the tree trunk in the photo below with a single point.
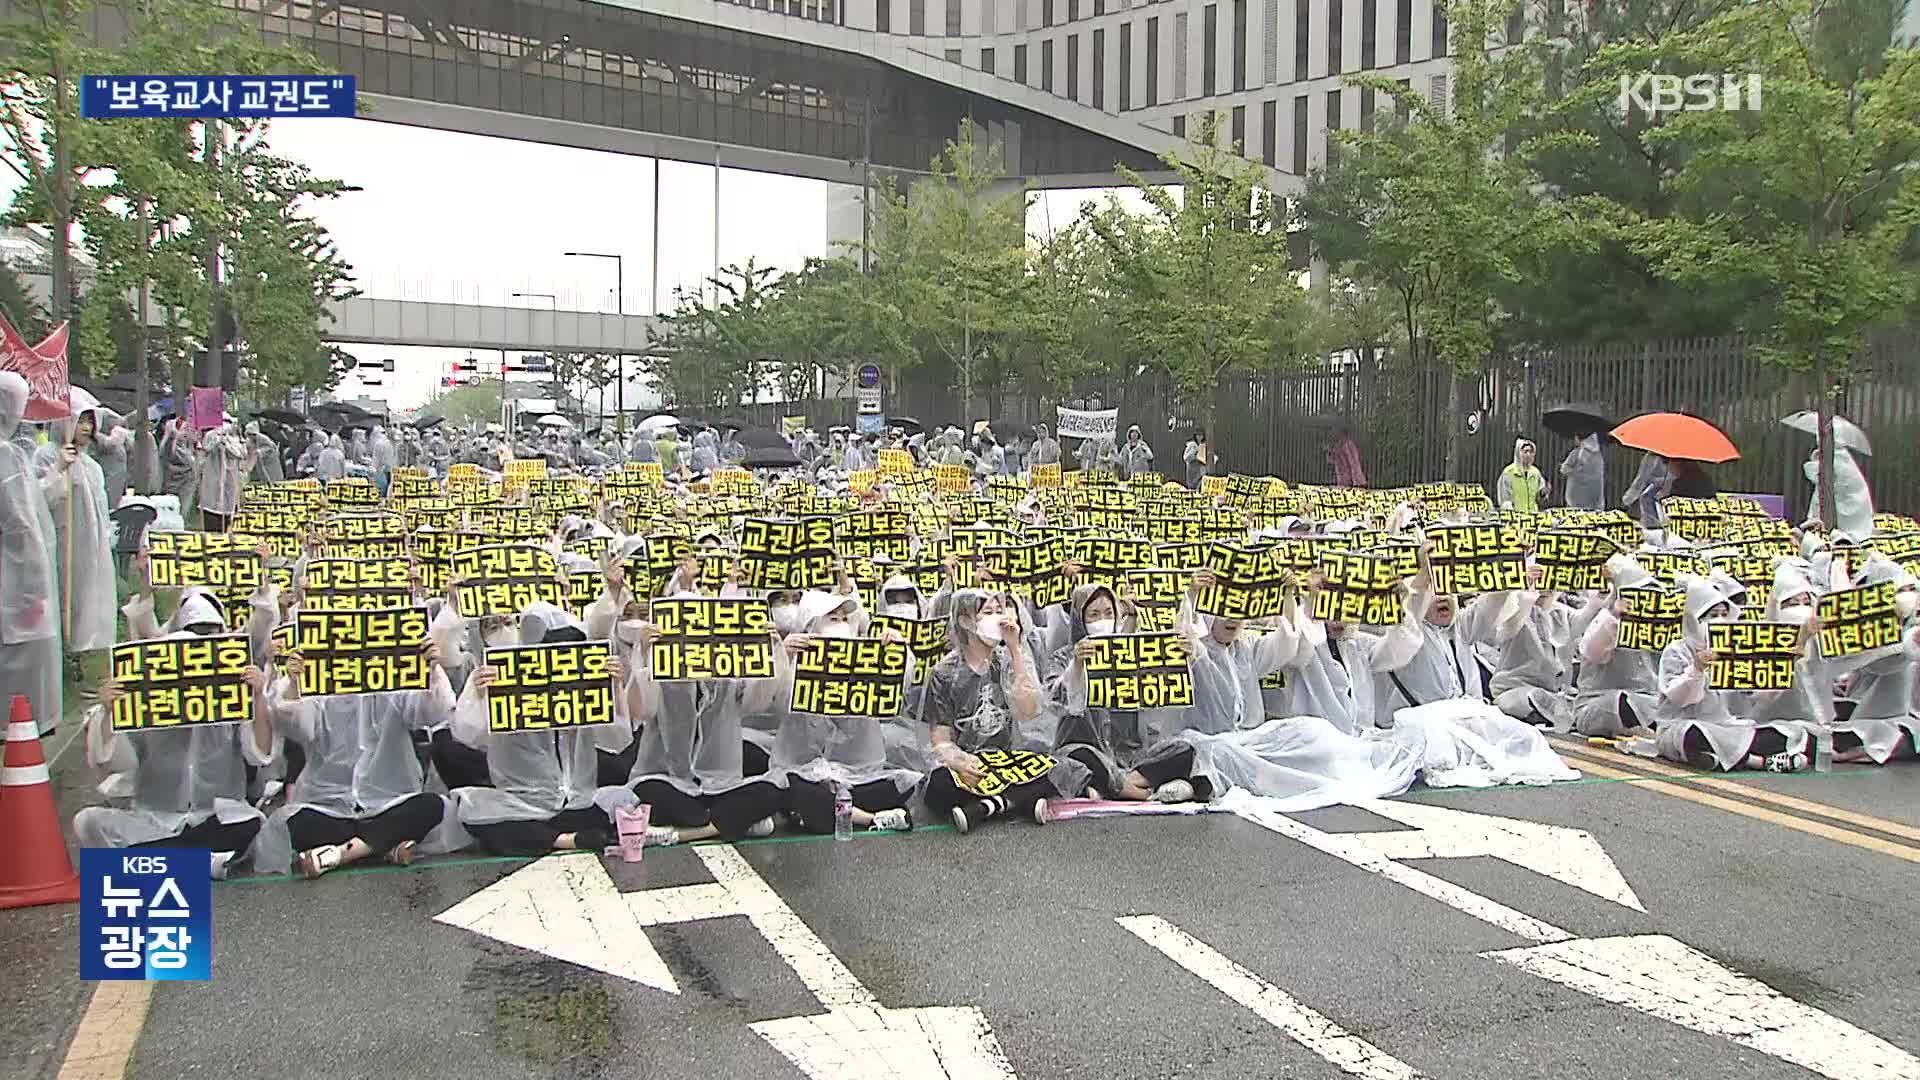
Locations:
(208, 371)
(143, 448)
(1828, 508)
(1453, 424)
(60, 203)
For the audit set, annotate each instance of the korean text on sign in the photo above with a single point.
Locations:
(1138, 671)
(103, 97)
(1652, 619)
(1855, 621)
(361, 652)
(180, 682)
(705, 638)
(145, 914)
(850, 677)
(1752, 655)
(550, 687)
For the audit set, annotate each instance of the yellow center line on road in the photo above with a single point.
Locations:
(1751, 791)
(102, 1047)
(1821, 829)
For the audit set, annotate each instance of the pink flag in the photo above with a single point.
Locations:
(44, 366)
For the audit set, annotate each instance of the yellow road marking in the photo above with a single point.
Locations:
(1753, 791)
(103, 1045)
(1761, 813)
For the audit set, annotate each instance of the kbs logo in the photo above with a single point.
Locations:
(1653, 94)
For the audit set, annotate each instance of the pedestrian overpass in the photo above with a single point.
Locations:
(371, 321)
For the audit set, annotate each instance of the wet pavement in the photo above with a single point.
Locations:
(351, 976)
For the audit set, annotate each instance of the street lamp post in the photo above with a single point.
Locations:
(620, 308)
(553, 305)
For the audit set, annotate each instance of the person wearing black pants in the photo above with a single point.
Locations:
(212, 835)
(392, 832)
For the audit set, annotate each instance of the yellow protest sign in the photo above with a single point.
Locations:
(1138, 671)
(180, 682)
(550, 687)
(711, 638)
(850, 677)
(361, 652)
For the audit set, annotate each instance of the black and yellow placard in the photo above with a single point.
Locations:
(968, 541)
(350, 584)
(1753, 572)
(287, 493)
(1213, 485)
(1247, 582)
(356, 528)
(1189, 556)
(1571, 561)
(1223, 523)
(952, 478)
(461, 472)
(926, 639)
(1752, 655)
(1138, 671)
(1615, 525)
(507, 522)
(1106, 559)
(1695, 519)
(1652, 619)
(1156, 594)
(1403, 554)
(503, 579)
(474, 493)
(1006, 490)
(870, 533)
(1884, 522)
(1003, 769)
(550, 687)
(850, 677)
(734, 482)
(1098, 478)
(522, 471)
(1855, 621)
(279, 526)
(1146, 483)
(969, 509)
(1668, 567)
(1300, 553)
(582, 588)
(895, 462)
(1030, 570)
(707, 638)
(352, 491)
(783, 554)
(635, 475)
(227, 563)
(1360, 589)
(1044, 476)
(653, 567)
(361, 652)
(181, 682)
(1477, 559)
(1902, 549)
(403, 488)
(1172, 528)
(436, 512)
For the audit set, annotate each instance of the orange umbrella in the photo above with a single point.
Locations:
(1677, 435)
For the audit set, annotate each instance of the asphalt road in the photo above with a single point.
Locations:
(352, 977)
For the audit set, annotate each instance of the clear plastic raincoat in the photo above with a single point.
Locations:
(1727, 719)
(29, 592)
(83, 542)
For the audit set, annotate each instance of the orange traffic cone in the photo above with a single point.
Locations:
(34, 867)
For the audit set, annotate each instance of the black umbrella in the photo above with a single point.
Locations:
(771, 459)
(1576, 420)
(1009, 430)
(428, 423)
(906, 423)
(734, 422)
(283, 417)
(754, 438)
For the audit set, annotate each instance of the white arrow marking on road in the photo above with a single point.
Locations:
(1571, 856)
(1664, 978)
(1350, 1053)
(1352, 849)
(565, 907)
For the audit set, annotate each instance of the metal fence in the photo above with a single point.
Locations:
(1282, 424)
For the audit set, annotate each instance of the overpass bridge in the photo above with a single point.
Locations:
(372, 321)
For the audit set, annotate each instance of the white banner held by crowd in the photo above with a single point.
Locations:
(1088, 423)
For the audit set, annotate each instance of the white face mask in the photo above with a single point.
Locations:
(1796, 613)
(1100, 627)
(903, 611)
(505, 637)
(627, 630)
(838, 628)
(1906, 604)
(988, 628)
(786, 617)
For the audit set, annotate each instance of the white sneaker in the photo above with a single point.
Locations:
(220, 861)
(761, 829)
(1042, 812)
(1173, 791)
(317, 861)
(892, 821)
(661, 836)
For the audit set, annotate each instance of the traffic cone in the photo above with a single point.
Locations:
(34, 867)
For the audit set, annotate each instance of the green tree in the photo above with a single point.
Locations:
(477, 403)
(1821, 190)
(712, 349)
(825, 317)
(1200, 284)
(22, 310)
(1437, 211)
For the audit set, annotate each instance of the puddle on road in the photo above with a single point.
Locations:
(546, 1011)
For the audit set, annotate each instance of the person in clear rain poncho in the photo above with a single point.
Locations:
(1875, 689)
(76, 497)
(1584, 474)
(545, 794)
(331, 465)
(1615, 692)
(29, 590)
(181, 464)
(361, 793)
(183, 786)
(818, 752)
(985, 694)
(1852, 499)
(112, 443)
(223, 472)
(905, 735)
(1725, 729)
(267, 466)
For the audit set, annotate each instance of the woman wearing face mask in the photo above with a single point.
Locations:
(186, 786)
(1615, 693)
(986, 694)
(546, 794)
(1877, 687)
(1318, 682)
(904, 734)
(816, 752)
(76, 497)
(1717, 729)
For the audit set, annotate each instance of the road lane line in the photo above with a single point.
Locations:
(1759, 792)
(1761, 813)
(823, 973)
(1334, 1044)
(1354, 849)
(102, 1046)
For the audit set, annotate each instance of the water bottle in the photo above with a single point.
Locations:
(1822, 753)
(1640, 747)
(842, 811)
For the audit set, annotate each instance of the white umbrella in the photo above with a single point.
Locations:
(1846, 433)
(79, 401)
(658, 421)
(554, 420)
